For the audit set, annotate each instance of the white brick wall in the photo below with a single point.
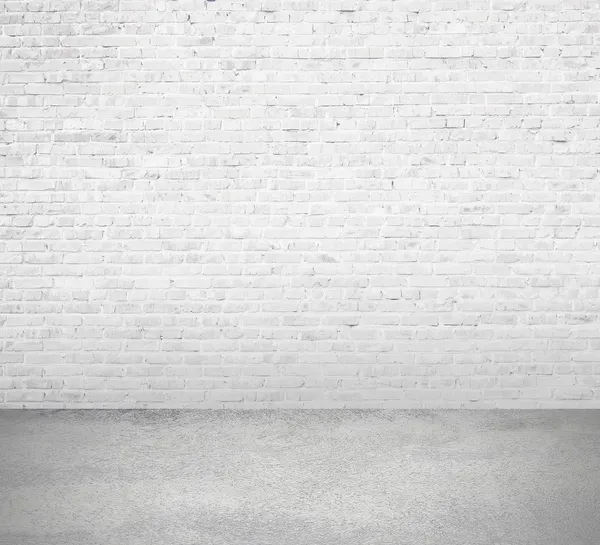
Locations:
(294, 203)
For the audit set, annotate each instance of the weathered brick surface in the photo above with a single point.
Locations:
(293, 203)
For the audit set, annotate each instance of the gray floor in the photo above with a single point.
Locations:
(299, 477)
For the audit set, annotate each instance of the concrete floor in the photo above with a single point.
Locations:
(299, 477)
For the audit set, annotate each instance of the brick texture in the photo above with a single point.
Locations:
(299, 203)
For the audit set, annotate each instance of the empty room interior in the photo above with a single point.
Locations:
(299, 272)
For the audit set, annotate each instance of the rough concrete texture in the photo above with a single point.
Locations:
(299, 477)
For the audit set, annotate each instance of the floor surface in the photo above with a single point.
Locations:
(299, 477)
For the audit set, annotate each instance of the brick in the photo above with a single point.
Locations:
(404, 217)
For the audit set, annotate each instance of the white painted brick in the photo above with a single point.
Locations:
(299, 204)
